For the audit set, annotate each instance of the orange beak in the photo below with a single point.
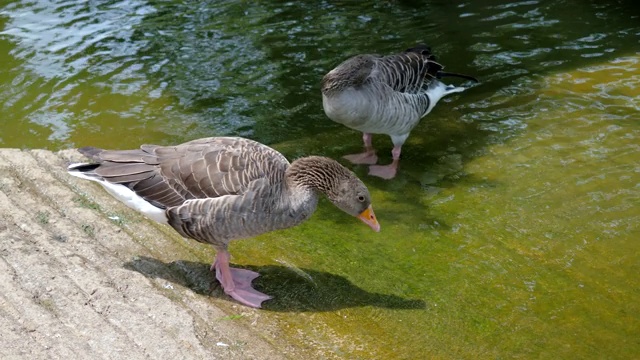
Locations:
(369, 218)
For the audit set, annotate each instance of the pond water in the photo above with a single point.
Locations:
(512, 229)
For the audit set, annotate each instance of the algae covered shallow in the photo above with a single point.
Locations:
(512, 227)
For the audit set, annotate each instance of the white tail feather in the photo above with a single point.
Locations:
(439, 90)
(123, 194)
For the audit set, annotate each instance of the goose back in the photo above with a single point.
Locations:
(168, 176)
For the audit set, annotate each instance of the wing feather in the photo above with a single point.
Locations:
(168, 176)
(409, 72)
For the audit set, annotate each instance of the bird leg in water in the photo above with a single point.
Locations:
(368, 156)
(387, 171)
(237, 282)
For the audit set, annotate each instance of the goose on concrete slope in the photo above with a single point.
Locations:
(385, 95)
(218, 189)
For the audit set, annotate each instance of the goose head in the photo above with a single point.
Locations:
(353, 197)
(341, 186)
(351, 73)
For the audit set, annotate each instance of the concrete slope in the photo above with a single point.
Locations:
(83, 276)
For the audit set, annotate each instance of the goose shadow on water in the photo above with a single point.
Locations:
(292, 291)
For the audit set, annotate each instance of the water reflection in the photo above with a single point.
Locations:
(59, 46)
(187, 70)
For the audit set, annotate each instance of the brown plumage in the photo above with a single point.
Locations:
(219, 189)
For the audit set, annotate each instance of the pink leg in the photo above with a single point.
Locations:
(387, 171)
(237, 282)
(369, 154)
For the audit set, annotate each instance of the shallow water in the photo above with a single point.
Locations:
(512, 228)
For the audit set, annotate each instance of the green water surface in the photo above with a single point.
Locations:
(512, 229)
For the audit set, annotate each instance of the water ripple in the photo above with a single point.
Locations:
(254, 71)
(57, 43)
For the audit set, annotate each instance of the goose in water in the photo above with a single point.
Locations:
(218, 189)
(385, 95)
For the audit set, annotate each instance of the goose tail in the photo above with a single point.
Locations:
(84, 171)
(121, 192)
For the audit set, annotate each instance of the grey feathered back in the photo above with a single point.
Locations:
(203, 168)
(408, 72)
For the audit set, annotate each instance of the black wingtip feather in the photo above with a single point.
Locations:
(84, 168)
(442, 74)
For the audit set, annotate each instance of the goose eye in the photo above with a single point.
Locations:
(360, 198)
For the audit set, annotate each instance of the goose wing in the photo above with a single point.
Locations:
(168, 176)
(410, 72)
